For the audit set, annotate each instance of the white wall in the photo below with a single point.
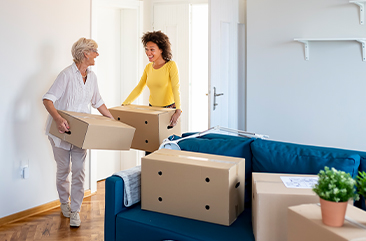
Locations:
(35, 45)
(320, 101)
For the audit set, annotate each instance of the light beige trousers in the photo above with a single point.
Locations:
(70, 160)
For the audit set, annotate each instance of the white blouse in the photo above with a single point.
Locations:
(69, 93)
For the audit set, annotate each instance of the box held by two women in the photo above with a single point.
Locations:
(88, 131)
(193, 185)
(151, 123)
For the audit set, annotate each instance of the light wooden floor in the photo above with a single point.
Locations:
(52, 225)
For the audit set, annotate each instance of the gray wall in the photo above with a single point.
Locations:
(320, 101)
(35, 45)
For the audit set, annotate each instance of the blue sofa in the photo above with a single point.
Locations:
(134, 224)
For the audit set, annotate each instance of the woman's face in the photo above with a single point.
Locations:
(90, 57)
(153, 52)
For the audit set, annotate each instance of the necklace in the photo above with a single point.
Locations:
(84, 76)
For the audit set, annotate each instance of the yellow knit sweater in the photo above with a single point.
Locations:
(163, 84)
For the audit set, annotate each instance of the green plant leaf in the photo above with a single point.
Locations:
(337, 186)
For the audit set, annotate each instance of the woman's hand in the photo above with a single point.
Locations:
(175, 117)
(62, 125)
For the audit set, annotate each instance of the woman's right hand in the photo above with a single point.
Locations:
(62, 125)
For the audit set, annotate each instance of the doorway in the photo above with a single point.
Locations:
(187, 28)
(198, 94)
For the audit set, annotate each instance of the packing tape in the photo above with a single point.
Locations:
(206, 159)
(150, 109)
(355, 223)
(197, 158)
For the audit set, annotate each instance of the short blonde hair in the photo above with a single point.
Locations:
(80, 47)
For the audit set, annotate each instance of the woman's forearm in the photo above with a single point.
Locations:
(104, 111)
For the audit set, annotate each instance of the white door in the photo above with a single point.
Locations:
(116, 29)
(223, 63)
(173, 20)
(198, 115)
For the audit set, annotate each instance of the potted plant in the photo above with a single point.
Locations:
(334, 189)
(361, 184)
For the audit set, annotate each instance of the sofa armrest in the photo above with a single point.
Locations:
(113, 205)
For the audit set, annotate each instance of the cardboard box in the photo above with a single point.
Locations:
(151, 124)
(193, 185)
(305, 223)
(270, 200)
(89, 131)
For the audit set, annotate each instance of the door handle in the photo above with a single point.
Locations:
(215, 95)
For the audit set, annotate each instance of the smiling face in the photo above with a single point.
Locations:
(90, 57)
(153, 52)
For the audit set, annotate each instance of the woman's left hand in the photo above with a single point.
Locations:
(175, 117)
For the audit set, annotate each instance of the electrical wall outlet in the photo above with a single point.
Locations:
(25, 172)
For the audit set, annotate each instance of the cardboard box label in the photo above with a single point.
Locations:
(299, 182)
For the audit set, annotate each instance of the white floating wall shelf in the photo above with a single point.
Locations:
(306, 41)
(361, 4)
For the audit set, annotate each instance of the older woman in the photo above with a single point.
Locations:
(73, 90)
(160, 75)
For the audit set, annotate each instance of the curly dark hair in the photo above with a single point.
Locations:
(161, 40)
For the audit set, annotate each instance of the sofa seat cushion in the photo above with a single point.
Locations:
(136, 224)
(281, 157)
(225, 145)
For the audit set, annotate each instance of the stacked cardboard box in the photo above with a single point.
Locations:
(193, 185)
(270, 200)
(305, 223)
(151, 123)
(89, 131)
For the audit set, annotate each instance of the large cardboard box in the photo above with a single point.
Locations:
(151, 124)
(193, 185)
(270, 200)
(305, 223)
(89, 131)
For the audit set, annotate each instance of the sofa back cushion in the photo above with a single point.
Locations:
(362, 168)
(281, 157)
(362, 161)
(225, 145)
